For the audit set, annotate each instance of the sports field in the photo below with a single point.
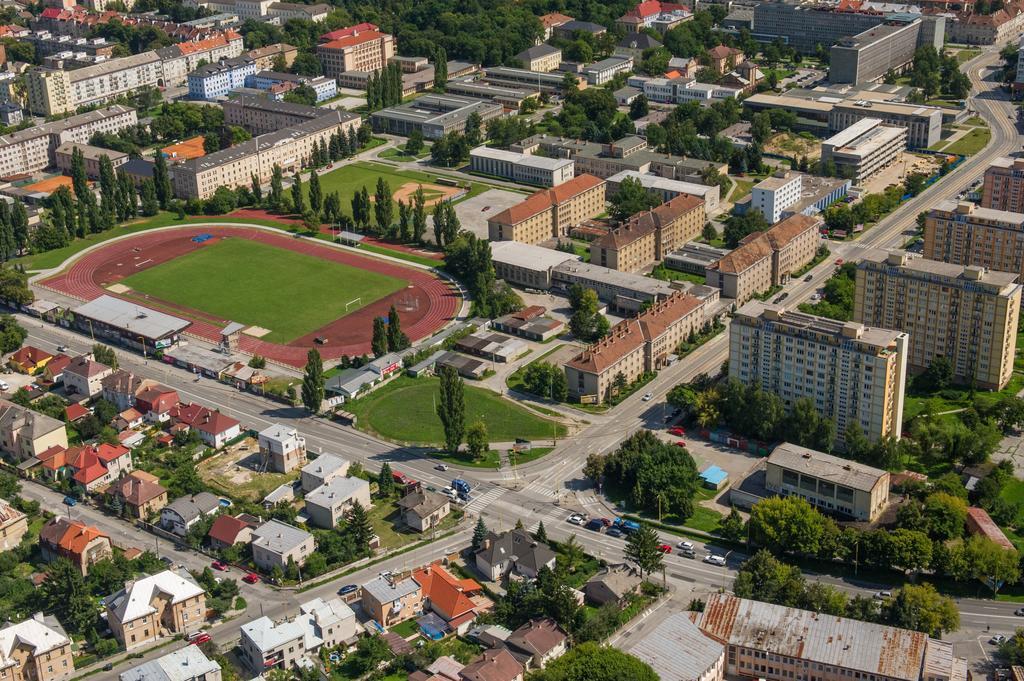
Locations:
(349, 179)
(289, 293)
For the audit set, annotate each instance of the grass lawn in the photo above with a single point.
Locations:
(971, 143)
(491, 460)
(743, 188)
(954, 397)
(966, 55)
(406, 629)
(404, 410)
(255, 489)
(399, 154)
(253, 283)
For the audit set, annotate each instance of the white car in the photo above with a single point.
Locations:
(648, 397)
(4, 387)
(450, 493)
(685, 545)
(883, 595)
(715, 559)
(577, 519)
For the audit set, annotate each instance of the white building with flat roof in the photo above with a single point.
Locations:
(525, 168)
(773, 194)
(865, 148)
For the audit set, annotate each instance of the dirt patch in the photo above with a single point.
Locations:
(239, 471)
(50, 184)
(433, 193)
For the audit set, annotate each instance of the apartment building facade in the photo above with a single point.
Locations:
(217, 80)
(868, 56)
(25, 433)
(965, 234)
(1003, 188)
(966, 314)
(90, 155)
(38, 649)
(550, 213)
(770, 196)
(365, 51)
(634, 347)
(865, 148)
(523, 168)
(146, 607)
(648, 237)
(853, 374)
(543, 58)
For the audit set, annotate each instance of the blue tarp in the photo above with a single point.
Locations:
(714, 476)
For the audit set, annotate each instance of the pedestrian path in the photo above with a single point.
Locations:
(479, 503)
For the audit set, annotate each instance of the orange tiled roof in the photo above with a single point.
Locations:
(72, 536)
(30, 355)
(446, 593)
(555, 19)
(352, 40)
(208, 43)
(543, 200)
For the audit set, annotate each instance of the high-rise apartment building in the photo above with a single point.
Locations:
(365, 51)
(853, 374)
(1004, 185)
(965, 234)
(966, 314)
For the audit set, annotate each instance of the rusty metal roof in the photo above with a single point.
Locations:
(826, 639)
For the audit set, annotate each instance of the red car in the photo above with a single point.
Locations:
(665, 548)
(839, 261)
(198, 638)
(219, 565)
(251, 578)
(677, 431)
(680, 444)
(607, 523)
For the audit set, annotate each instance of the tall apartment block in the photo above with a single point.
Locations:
(367, 51)
(966, 234)
(868, 56)
(967, 314)
(852, 373)
(1004, 185)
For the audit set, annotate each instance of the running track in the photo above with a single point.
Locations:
(84, 279)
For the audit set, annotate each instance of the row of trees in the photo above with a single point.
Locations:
(469, 260)
(388, 336)
(384, 88)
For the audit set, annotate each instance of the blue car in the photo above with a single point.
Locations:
(595, 525)
(347, 589)
(70, 501)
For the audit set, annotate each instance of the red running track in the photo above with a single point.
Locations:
(425, 306)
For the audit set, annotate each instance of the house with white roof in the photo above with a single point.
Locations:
(37, 649)
(274, 543)
(185, 664)
(328, 503)
(282, 449)
(322, 470)
(267, 645)
(146, 609)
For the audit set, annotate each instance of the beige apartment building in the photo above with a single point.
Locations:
(235, 167)
(265, 56)
(25, 433)
(550, 213)
(648, 237)
(766, 259)
(965, 234)
(91, 155)
(37, 649)
(967, 314)
(635, 346)
(366, 51)
(1004, 185)
(851, 373)
(262, 115)
(13, 526)
(149, 608)
(831, 484)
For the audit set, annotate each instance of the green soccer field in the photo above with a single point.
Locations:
(289, 293)
(349, 179)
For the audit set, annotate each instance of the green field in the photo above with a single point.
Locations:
(256, 284)
(404, 410)
(971, 143)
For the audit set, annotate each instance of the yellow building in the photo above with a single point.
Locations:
(365, 51)
(648, 237)
(152, 607)
(36, 649)
(967, 314)
(550, 213)
(964, 234)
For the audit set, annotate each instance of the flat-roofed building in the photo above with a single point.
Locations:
(601, 72)
(865, 148)
(665, 188)
(549, 213)
(648, 236)
(868, 56)
(635, 346)
(694, 257)
(965, 234)
(966, 314)
(91, 155)
(544, 58)
(211, 81)
(766, 259)
(523, 168)
(852, 374)
(923, 123)
(552, 83)
(832, 484)
(772, 194)
(1004, 185)
(510, 98)
(525, 264)
(625, 292)
(261, 115)
(363, 50)
(434, 115)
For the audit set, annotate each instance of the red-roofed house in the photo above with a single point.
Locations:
(214, 428)
(156, 402)
(53, 462)
(93, 466)
(552, 21)
(75, 412)
(722, 59)
(979, 522)
(53, 372)
(141, 493)
(82, 544)
(129, 418)
(457, 601)
(661, 16)
(228, 530)
(29, 360)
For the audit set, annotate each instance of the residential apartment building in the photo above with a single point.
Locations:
(831, 484)
(328, 504)
(646, 238)
(33, 149)
(282, 449)
(543, 58)
(262, 115)
(521, 167)
(549, 213)
(923, 123)
(287, 148)
(91, 155)
(25, 433)
(998, 28)
(867, 57)
(84, 376)
(853, 374)
(83, 545)
(434, 116)
(36, 649)
(865, 148)
(766, 259)
(13, 526)
(966, 314)
(965, 234)
(778, 643)
(634, 347)
(278, 84)
(53, 91)
(665, 188)
(293, 643)
(165, 602)
(217, 80)
(363, 50)
(1004, 185)
(774, 193)
(184, 664)
(275, 543)
(389, 599)
(266, 56)
(322, 470)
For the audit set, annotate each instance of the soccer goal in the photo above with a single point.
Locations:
(352, 302)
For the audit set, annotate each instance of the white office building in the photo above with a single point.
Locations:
(865, 148)
(526, 168)
(776, 193)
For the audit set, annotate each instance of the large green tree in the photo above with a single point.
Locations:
(632, 198)
(787, 524)
(313, 382)
(451, 408)
(642, 550)
(921, 608)
(594, 662)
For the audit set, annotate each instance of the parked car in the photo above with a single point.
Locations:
(715, 559)
(450, 493)
(4, 386)
(606, 522)
(614, 532)
(882, 595)
(251, 578)
(677, 431)
(70, 501)
(680, 443)
(198, 637)
(166, 561)
(997, 640)
(648, 397)
(665, 548)
(577, 519)
(594, 525)
(219, 565)
(347, 589)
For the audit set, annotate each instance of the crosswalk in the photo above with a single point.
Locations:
(484, 500)
(539, 489)
(550, 517)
